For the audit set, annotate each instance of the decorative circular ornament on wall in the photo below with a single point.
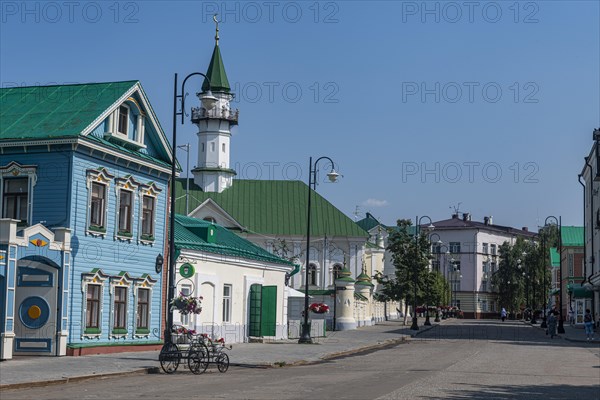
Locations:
(34, 312)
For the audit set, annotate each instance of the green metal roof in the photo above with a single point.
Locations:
(273, 207)
(572, 236)
(554, 257)
(216, 74)
(359, 296)
(364, 279)
(368, 223)
(43, 112)
(188, 236)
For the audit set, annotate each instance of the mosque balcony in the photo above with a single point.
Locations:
(224, 113)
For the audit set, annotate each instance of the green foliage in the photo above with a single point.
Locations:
(411, 257)
(521, 284)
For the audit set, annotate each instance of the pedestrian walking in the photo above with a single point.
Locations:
(571, 317)
(503, 314)
(551, 322)
(588, 322)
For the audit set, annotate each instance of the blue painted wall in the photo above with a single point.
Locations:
(108, 253)
(51, 192)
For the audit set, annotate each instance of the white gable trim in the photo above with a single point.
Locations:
(211, 204)
(137, 88)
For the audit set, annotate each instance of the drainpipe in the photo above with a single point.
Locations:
(587, 162)
(584, 231)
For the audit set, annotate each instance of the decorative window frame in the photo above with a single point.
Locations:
(140, 124)
(152, 190)
(15, 170)
(103, 177)
(144, 282)
(121, 280)
(94, 277)
(129, 184)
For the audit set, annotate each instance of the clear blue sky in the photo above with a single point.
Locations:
(423, 105)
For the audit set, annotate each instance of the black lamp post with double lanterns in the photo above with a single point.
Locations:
(208, 103)
(558, 223)
(415, 325)
(312, 185)
(438, 245)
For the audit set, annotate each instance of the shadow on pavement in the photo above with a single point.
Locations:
(532, 392)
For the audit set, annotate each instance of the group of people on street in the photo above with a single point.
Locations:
(552, 322)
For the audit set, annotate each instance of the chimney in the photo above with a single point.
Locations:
(454, 216)
(525, 229)
(466, 217)
(490, 217)
(486, 220)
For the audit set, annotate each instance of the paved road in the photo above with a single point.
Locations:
(458, 360)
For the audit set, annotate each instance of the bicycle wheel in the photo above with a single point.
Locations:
(222, 362)
(169, 358)
(198, 358)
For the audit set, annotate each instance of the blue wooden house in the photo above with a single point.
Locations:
(84, 172)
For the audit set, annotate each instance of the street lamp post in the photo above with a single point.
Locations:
(438, 248)
(208, 102)
(558, 222)
(544, 325)
(312, 185)
(415, 326)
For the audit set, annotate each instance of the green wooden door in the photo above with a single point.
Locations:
(255, 309)
(268, 319)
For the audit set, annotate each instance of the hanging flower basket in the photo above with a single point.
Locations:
(319, 308)
(187, 304)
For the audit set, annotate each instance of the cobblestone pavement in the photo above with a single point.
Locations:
(460, 359)
(40, 370)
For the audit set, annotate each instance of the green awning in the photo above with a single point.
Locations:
(579, 292)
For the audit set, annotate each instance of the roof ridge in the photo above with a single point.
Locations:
(69, 84)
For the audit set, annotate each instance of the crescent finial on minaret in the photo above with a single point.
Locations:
(217, 34)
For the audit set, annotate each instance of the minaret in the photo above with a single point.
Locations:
(212, 173)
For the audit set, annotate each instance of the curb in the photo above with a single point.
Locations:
(153, 370)
(20, 385)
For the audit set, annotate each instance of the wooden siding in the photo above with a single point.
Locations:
(113, 255)
(51, 192)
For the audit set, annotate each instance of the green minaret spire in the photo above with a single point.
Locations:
(216, 69)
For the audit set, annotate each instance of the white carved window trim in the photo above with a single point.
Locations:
(129, 184)
(145, 282)
(121, 280)
(95, 277)
(16, 170)
(103, 177)
(152, 190)
(139, 124)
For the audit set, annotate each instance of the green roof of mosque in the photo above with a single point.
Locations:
(216, 73)
(188, 235)
(369, 222)
(554, 257)
(572, 236)
(273, 207)
(44, 112)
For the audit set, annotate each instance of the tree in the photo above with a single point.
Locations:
(517, 272)
(411, 261)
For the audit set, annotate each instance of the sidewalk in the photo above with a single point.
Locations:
(36, 371)
(572, 333)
